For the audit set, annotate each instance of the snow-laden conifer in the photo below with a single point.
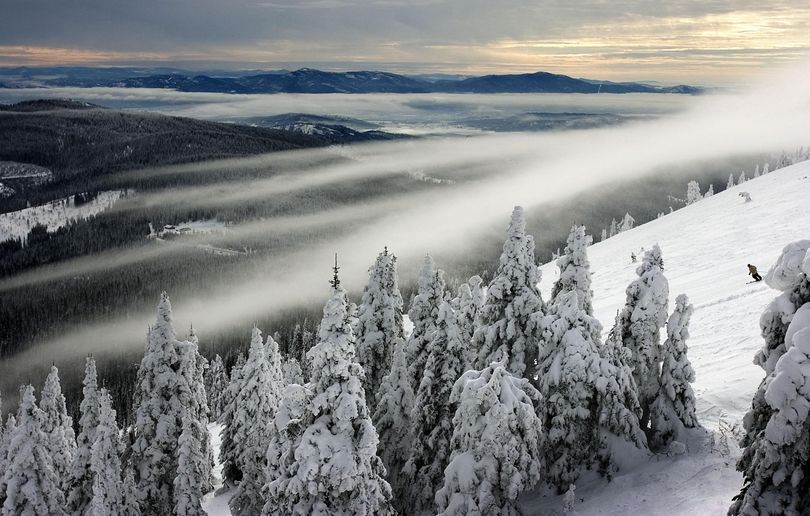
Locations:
(80, 486)
(569, 366)
(617, 404)
(776, 481)
(392, 418)
(432, 415)
(604, 235)
(58, 427)
(256, 404)
(575, 269)
(693, 194)
(773, 431)
(674, 408)
(216, 383)
(379, 328)
(627, 223)
(287, 430)
(131, 505)
(468, 305)
(643, 316)
(291, 372)
(709, 192)
(8, 432)
(32, 486)
(166, 391)
(512, 297)
(336, 468)
(730, 182)
(742, 179)
(229, 447)
(193, 369)
(192, 470)
(496, 444)
(108, 486)
(613, 228)
(423, 313)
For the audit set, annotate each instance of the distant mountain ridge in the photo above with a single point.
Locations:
(308, 80)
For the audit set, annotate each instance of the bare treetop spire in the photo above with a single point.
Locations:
(335, 279)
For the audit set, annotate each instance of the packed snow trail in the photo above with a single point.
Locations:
(706, 248)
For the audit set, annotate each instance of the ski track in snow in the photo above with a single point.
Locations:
(706, 247)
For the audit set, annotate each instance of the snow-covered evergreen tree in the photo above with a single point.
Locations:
(432, 415)
(709, 192)
(777, 433)
(32, 486)
(742, 179)
(604, 235)
(108, 486)
(80, 486)
(392, 418)
(496, 444)
(131, 505)
(193, 368)
(674, 407)
(189, 484)
(291, 372)
(8, 432)
(216, 383)
(575, 270)
(423, 313)
(58, 427)
(287, 433)
(569, 366)
(166, 392)
(229, 446)
(766, 168)
(756, 171)
(379, 328)
(730, 183)
(512, 297)
(618, 404)
(256, 405)
(627, 223)
(643, 316)
(776, 480)
(613, 229)
(468, 304)
(336, 468)
(693, 194)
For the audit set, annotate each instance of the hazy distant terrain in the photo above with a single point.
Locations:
(307, 80)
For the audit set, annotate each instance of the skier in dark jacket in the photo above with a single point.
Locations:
(752, 271)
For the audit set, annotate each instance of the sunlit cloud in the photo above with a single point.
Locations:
(720, 41)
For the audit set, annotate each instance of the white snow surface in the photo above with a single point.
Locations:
(53, 215)
(706, 247)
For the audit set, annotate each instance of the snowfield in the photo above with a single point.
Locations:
(706, 247)
(54, 215)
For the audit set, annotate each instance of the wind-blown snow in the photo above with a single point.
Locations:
(706, 247)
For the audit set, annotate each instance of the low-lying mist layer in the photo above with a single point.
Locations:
(527, 169)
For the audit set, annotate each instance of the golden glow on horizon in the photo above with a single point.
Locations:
(720, 48)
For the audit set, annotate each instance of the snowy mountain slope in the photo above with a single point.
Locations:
(706, 247)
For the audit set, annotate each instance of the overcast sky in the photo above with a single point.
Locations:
(690, 41)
